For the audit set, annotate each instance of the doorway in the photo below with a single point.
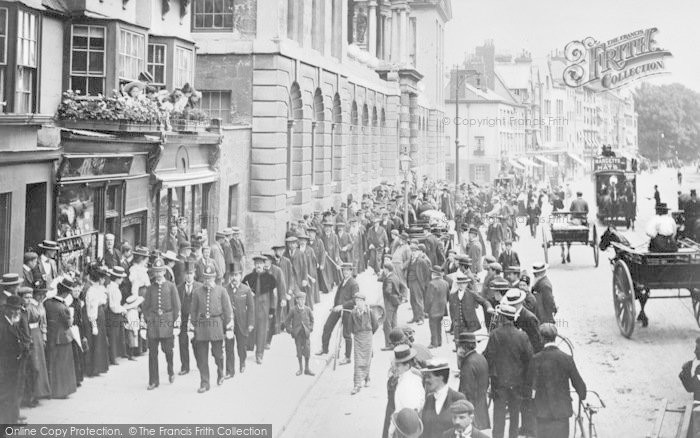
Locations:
(35, 215)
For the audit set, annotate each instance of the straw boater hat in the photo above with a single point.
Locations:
(435, 364)
(291, 239)
(462, 279)
(506, 310)
(346, 266)
(65, 285)
(10, 279)
(117, 272)
(499, 284)
(49, 244)
(407, 423)
(141, 251)
(513, 297)
(403, 353)
(228, 231)
(539, 267)
(170, 255)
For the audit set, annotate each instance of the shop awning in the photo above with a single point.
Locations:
(576, 158)
(516, 164)
(529, 162)
(547, 161)
(171, 180)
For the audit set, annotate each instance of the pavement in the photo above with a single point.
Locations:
(631, 375)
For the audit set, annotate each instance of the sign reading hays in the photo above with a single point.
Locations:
(610, 163)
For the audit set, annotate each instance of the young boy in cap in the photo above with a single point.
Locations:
(300, 324)
(362, 324)
(462, 418)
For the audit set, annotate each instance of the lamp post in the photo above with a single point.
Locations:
(405, 162)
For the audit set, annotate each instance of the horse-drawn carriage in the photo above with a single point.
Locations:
(566, 228)
(616, 191)
(636, 273)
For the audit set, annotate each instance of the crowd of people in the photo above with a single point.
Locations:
(68, 326)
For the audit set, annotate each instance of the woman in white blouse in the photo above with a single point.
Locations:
(138, 273)
(95, 305)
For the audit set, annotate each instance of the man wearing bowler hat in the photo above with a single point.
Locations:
(161, 311)
(436, 305)
(185, 291)
(473, 378)
(243, 304)
(212, 320)
(263, 285)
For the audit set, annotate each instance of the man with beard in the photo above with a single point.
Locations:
(112, 256)
(275, 303)
(263, 286)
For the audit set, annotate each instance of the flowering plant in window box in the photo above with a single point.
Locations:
(189, 120)
(101, 113)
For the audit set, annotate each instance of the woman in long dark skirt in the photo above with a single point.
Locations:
(59, 353)
(38, 385)
(95, 304)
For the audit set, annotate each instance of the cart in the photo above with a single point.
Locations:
(568, 228)
(636, 273)
(616, 191)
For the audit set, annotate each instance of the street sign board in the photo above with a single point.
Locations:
(601, 164)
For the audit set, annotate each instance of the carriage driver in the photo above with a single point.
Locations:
(661, 229)
(580, 207)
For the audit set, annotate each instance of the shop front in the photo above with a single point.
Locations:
(184, 189)
(98, 193)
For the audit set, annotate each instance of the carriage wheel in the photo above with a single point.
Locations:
(545, 245)
(594, 244)
(695, 296)
(623, 299)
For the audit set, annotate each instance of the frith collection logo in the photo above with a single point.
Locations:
(611, 64)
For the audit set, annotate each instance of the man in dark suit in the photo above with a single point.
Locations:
(436, 305)
(391, 290)
(463, 305)
(377, 240)
(434, 248)
(690, 372)
(180, 266)
(474, 378)
(545, 308)
(462, 418)
(184, 291)
(550, 373)
(417, 278)
(160, 308)
(508, 354)
(436, 415)
(244, 322)
(31, 259)
(212, 320)
(11, 354)
(343, 300)
(508, 257)
(263, 285)
(112, 256)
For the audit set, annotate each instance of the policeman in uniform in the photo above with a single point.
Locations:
(211, 316)
(161, 314)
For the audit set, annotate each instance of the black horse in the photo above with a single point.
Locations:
(609, 236)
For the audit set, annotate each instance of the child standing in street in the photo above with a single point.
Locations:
(363, 324)
(300, 324)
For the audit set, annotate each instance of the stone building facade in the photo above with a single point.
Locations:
(333, 92)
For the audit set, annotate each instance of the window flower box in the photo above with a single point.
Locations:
(184, 125)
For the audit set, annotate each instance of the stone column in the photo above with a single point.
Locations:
(395, 56)
(372, 27)
(403, 39)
